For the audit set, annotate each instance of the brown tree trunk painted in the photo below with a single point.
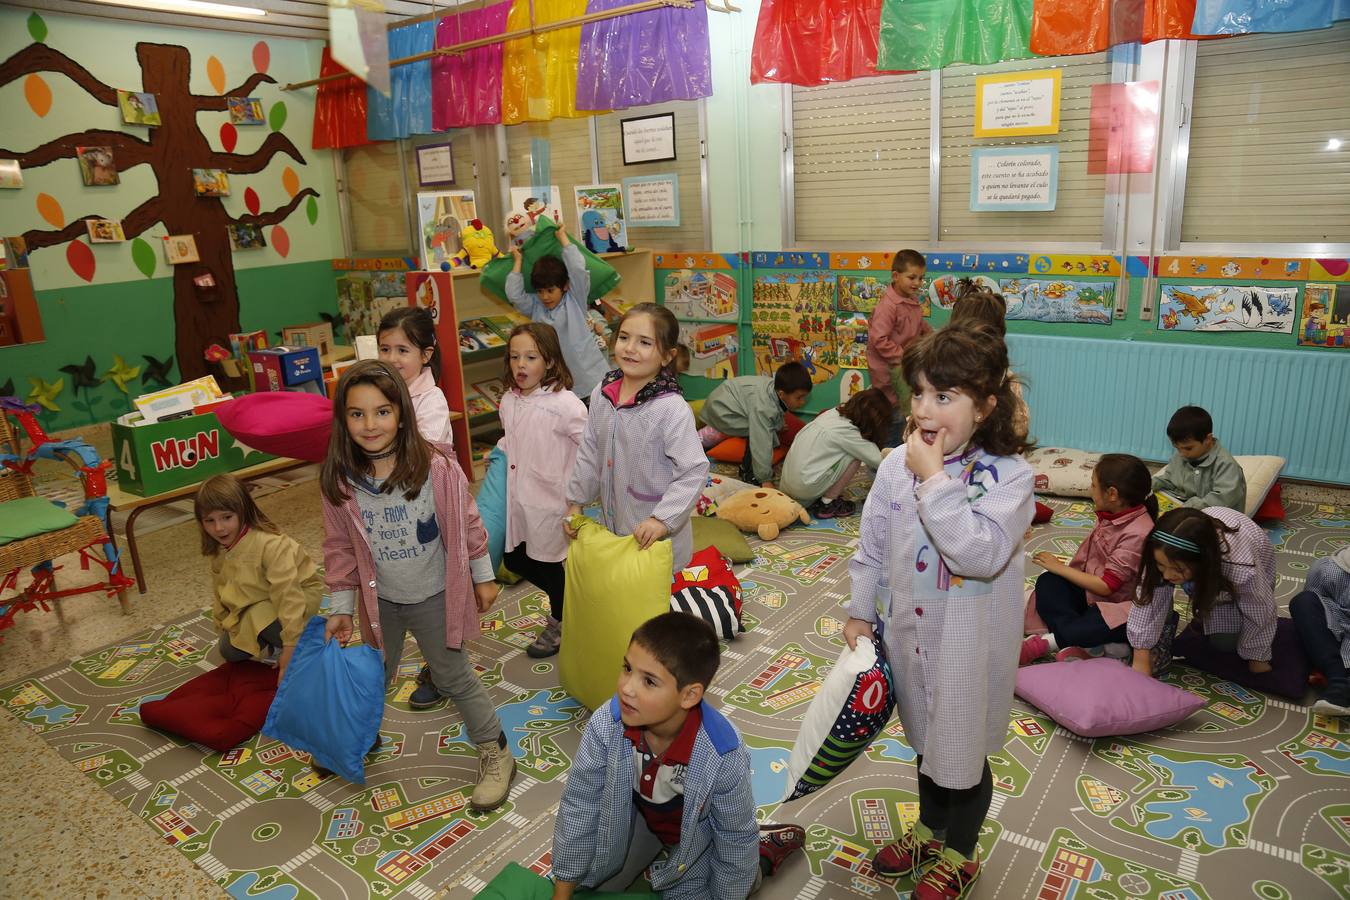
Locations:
(202, 316)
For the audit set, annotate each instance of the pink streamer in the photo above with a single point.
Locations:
(467, 89)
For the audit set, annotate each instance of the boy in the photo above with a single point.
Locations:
(663, 780)
(560, 290)
(896, 323)
(1201, 473)
(752, 407)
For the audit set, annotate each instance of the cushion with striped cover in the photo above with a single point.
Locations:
(707, 588)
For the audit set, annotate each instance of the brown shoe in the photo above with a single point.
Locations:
(496, 768)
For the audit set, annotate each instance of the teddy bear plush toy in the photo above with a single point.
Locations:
(764, 511)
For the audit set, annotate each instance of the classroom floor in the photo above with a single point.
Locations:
(1247, 796)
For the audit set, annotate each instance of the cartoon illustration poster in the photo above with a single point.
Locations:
(860, 293)
(851, 335)
(600, 216)
(1326, 316)
(699, 294)
(942, 289)
(1226, 307)
(712, 348)
(441, 216)
(793, 319)
(527, 205)
(1082, 302)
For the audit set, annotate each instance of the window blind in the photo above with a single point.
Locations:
(569, 159)
(1080, 201)
(1267, 114)
(379, 218)
(860, 161)
(688, 165)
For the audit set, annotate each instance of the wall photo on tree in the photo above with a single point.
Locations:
(172, 150)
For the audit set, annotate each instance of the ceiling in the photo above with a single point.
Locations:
(306, 19)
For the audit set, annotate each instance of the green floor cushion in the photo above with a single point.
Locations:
(30, 516)
(514, 882)
(723, 535)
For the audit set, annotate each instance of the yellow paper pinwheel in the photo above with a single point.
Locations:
(44, 393)
(121, 373)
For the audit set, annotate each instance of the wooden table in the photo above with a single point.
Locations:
(121, 501)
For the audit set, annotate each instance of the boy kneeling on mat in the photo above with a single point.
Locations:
(662, 780)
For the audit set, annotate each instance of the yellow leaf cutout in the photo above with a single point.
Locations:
(50, 210)
(290, 181)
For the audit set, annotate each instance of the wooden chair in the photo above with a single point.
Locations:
(89, 536)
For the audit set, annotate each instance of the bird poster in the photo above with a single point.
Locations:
(1226, 307)
(1050, 300)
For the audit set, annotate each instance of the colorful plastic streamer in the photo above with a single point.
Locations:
(813, 42)
(539, 72)
(929, 34)
(407, 109)
(644, 58)
(1248, 16)
(467, 89)
(339, 109)
(1068, 27)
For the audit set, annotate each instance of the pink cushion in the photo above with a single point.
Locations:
(219, 708)
(1103, 697)
(283, 423)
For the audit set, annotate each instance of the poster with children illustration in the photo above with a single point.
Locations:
(850, 330)
(1226, 307)
(1079, 302)
(527, 205)
(700, 294)
(942, 289)
(792, 317)
(860, 293)
(1326, 316)
(600, 217)
(441, 216)
(712, 348)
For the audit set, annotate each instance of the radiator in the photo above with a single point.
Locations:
(1117, 395)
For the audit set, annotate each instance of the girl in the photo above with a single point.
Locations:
(825, 455)
(1321, 614)
(939, 573)
(640, 453)
(266, 587)
(407, 339)
(1226, 565)
(1086, 602)
(401, 530)
(543, 420)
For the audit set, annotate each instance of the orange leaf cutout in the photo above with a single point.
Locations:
(215, 73)
(281, 241)
(290, 181)
(38, 95)
(262, 57)
(50, 210)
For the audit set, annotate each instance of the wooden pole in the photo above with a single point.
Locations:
(454, 49)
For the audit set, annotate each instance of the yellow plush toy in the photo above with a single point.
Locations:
(479, 246)
(764, 511)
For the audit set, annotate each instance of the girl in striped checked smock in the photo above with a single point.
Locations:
(939, 572)
(1226, 565)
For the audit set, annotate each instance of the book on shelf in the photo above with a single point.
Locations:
(477, 334)
(477, 405)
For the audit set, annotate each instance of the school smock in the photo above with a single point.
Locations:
(895, 324)
(1249, 564)
(939, 569)
(263, 578)
(349, 564)
(748, 405)
(1329, 580)
(1112, 552)
(641, 459)
(718, 850)
(431, 408)
(584, 359)
(1214, 479)
(819, 454)
(543, 430)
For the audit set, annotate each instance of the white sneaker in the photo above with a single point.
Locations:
(1118, 650)
(1326, 708)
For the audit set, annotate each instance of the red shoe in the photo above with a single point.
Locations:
(904, 856)
(1033, 648)
(1072, 653)
(949, 878)
(777, 843)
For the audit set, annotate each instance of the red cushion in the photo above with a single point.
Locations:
(732, 450)
(1043, 514)
(1272, 508)
(283, 423)
(219, 708)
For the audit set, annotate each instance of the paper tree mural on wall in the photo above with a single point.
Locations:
(202, 315)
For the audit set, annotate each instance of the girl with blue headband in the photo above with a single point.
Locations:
(1226, 565)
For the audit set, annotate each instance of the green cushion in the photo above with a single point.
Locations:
(727, 538)
(30, 516)
(515, 882)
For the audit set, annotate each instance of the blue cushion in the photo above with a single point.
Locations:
(492, 504)
(330, 703)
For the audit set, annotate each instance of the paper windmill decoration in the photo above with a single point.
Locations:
(121, 373)
(44, 393)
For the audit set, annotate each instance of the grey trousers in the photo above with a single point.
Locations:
(643, 850)
(450, 670)
(269, 635)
